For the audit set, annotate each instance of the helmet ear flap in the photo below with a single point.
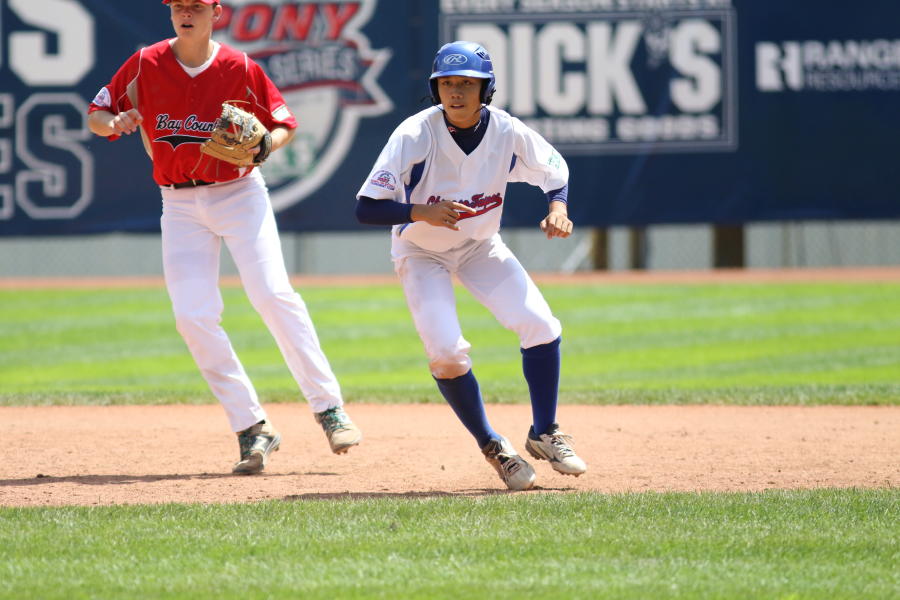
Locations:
(433, 88)
(487, 91)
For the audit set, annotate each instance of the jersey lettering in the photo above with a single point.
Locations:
(479, 202)
(191, 123)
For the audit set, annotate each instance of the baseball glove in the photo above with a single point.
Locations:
(237, 132)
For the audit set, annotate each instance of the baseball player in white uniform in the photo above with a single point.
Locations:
(172, 92)
(441, 182)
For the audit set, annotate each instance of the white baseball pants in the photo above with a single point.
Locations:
(194, 221)
(493, 275)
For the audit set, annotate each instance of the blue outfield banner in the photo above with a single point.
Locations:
(667, 111)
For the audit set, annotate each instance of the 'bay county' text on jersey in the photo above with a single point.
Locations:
(423, 156)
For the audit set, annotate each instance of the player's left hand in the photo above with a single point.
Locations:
(443, 214)
(556, 224)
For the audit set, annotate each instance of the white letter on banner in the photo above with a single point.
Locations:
(768, 75)
(54, 179)
(771, 65)
(521, 44)
(609, 68)
(691, 43)
(74, 28)
(560, 93)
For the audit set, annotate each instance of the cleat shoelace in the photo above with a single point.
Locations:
(562, 443)
(509, 464)
(332, 420)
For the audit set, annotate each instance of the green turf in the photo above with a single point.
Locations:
(803, 544)
(798, 343)
(748, 344)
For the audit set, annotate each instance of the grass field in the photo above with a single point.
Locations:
(810, 343)
(814, 544)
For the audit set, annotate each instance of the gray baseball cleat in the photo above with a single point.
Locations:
(512, 468)
(555, 446)
(256, 444)
(342, 434)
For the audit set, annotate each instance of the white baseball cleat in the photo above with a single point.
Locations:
(512, 468)
(341, 432)
(256, 444)
(555, 446)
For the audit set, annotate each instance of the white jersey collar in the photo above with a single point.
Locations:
(194, 71)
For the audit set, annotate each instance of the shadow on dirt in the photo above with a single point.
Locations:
(41, 479)
(471, 493)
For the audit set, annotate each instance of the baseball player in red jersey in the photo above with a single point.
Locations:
(441, 182)
(172, 92)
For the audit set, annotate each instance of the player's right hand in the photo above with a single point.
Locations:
(126, 122)
(442, 214)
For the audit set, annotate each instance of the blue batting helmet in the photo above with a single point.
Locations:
(466, 59)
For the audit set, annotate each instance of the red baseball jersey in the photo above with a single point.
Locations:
(180, 111)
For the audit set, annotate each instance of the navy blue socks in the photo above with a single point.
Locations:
(540, 364)
(464, 397)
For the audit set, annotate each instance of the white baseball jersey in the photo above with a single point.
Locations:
(422, 164)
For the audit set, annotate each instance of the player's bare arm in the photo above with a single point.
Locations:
(105, 123)
(557, 223)
(442, 214)
(281, 136)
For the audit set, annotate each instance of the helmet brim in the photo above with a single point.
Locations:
(462, 73)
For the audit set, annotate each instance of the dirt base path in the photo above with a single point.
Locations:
(140, 454)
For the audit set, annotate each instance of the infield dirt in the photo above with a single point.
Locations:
(153, 454)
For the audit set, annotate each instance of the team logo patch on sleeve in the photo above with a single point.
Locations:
(385, 179)
(102, 98)
(554, 160)
(282, 113)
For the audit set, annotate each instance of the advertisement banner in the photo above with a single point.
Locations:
(667, 111)
(597, 82)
